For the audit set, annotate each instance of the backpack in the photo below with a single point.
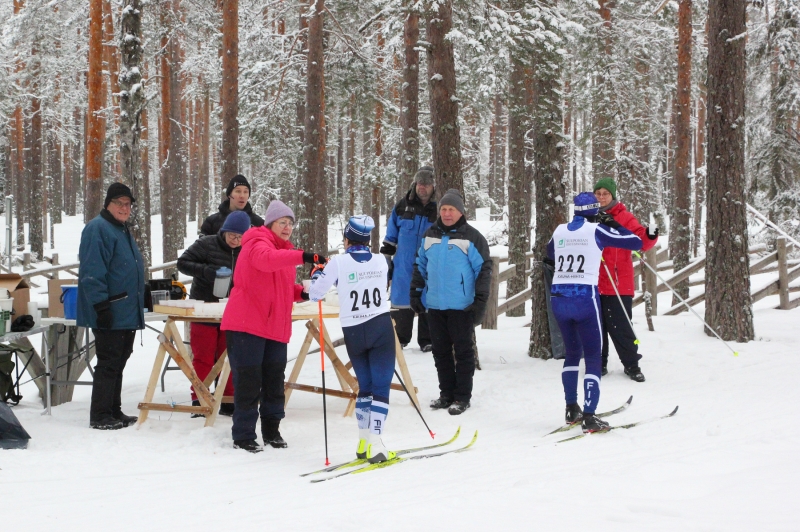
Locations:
(6, 380)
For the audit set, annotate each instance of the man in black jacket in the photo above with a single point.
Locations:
(203, 260)
(238, 194)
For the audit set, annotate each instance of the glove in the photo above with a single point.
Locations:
(416, 305)
(304, 296)
(652, 232)
(105, 318)
(209, 273)
(388, 249)
(308, 257)
(608, 220)
(478, 313)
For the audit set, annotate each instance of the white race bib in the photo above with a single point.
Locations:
(577, 255)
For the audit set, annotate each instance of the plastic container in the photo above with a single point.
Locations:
(159, 297)
(6, 305)
(69, 297)
(222, 282)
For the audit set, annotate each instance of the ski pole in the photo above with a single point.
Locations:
(735, 353)
(624, 310)
(322, 365)
(415, 405)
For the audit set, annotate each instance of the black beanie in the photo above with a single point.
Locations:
(118, 190)
(238, 180)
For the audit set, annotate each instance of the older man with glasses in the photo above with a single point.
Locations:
(110, 302)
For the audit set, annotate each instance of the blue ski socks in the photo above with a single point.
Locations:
(363, 407)
(591, 393)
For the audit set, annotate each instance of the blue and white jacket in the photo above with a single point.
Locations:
(404, 230)
(453, 269)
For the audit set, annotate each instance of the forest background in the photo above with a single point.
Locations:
(332, 106)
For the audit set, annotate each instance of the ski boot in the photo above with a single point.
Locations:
(377, 451)
(592, 423)
(363, 441)
(573, 414)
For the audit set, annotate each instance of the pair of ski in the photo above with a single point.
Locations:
(361, 465)
(608, 414)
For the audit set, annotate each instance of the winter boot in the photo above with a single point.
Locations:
(592, 423)
(604, 370)
(427, 348)
(573, 414)
(226, 409)
(251, 446)
(441, 402)
(271, 434)
(635, 374)
(377, 451)
(363, 441)
(197, 403)
(458, 408)
(108, 423)
(127, 421)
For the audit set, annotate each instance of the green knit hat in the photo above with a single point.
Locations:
(608, 184)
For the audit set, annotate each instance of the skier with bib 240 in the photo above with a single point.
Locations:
(577, 249)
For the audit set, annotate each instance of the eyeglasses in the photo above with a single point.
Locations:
(234, 236)
(121, 204)
(285, 223)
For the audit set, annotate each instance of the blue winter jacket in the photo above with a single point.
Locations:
(111, 273)
(407, 224)
(453, 268)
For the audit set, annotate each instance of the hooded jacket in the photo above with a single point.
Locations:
(202, 260)
(619, 261)
(213, 223)
(404, 230)
(264, 287)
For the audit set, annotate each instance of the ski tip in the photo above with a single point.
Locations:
(674, 411)
(629, 400)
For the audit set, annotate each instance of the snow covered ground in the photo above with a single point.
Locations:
(726, 461)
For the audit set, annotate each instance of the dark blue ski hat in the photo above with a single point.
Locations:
(358, 228)
(237, 222)
(586, 204)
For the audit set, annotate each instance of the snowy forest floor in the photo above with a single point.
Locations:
(724, 462)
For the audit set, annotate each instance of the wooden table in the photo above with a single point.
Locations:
(347, 381)
(170, 342)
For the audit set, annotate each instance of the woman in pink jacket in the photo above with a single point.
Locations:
(258, 325)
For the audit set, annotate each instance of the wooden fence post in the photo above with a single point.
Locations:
(783, 273)
(490, 320)
(650, 279)
(55, 263)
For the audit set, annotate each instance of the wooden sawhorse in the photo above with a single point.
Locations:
(348, 383)
(171, 343)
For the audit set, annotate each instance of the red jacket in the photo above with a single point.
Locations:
(264, 286)
(618, 260)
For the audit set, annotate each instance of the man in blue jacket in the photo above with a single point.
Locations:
(111, 302)
(453, 271)
(410, 218)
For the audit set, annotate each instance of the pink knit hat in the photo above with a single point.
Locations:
(277, 209)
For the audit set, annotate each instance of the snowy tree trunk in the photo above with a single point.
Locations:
(700, 165)
(445, 132)
(55, 168)
(519, 184)
(680, 229)
(131, 102)
(728, 303)
(111, 65)
(410, 108)
(96, 123)
(550, 183)
(229, 95)
(36, 175)
(603, 136)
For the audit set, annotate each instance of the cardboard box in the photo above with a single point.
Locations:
(55, 306)
(19, 290)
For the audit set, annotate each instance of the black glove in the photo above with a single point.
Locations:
(105, 318)
(309, 258)
(416, 305)
(209, 273)
(388, 249)
(304, 296)
(652, 232)
(478, 313)
(606, 219)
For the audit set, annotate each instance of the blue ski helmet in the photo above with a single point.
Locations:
(586, 204)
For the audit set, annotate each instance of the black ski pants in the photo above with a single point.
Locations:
(113, 349)
(616, 325)
(404, 326)
(452, 333)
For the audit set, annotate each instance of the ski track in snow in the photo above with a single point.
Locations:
(726, 461)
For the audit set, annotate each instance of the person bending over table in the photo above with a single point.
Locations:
(202, 261)
(367, 327)
(258, 325)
